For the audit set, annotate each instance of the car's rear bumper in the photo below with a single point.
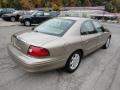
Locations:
(32, 64)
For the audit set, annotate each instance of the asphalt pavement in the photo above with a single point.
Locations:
(7, 23)
(97, 71)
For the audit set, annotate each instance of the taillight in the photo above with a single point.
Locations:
(37, 51)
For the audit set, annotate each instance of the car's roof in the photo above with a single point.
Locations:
(76, 18)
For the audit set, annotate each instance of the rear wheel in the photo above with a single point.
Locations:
(73, 62)
(12, 19)
(27, 23)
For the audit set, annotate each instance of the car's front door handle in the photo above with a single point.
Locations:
(100, 37)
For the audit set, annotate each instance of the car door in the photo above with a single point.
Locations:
(102, 38)
(45, 16)
(42, 19)
(37, 17)
(89, 37)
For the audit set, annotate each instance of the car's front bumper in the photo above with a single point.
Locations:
(6, 18)
(32, 64)
(21, 20)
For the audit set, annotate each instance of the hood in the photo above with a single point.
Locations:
(36, 38)
(10, 14)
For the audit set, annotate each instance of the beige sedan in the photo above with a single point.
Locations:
(58, 43)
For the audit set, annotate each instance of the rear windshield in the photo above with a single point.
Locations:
(56, 26)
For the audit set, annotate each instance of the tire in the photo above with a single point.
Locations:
(12, 19)
(27, 23)
(107, 44)
(73, 62)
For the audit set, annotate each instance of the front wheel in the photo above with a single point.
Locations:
(107, 44)
(12, 19)
(27, 23)
(73, 62)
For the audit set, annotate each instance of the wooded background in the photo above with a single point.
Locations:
(110, 5)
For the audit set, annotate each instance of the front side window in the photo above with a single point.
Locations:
(46, 14)
(39, 14)
(97, 26)
(4, 10)
(17, 12)
(87, 28)
(55, 26)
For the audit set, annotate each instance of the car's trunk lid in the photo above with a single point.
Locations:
(24, 40)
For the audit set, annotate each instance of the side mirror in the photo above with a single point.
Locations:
(105, 30)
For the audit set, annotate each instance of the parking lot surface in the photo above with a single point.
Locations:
(4, 23)
(97, 71)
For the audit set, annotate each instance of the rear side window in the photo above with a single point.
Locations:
(87, 28)
(97, 26)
